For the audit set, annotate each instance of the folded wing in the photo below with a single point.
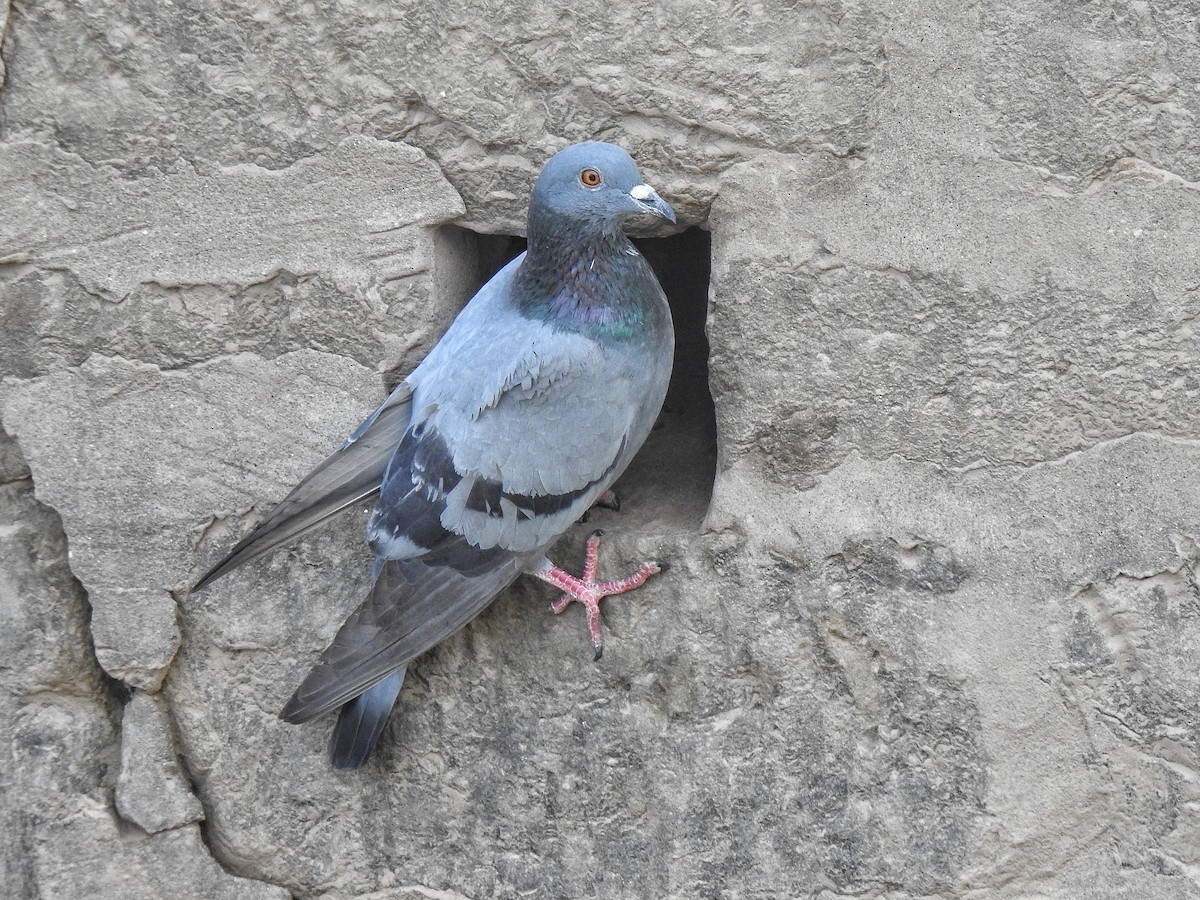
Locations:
(474, 494)
(353, 473)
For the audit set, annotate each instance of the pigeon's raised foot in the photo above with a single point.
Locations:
(588, 591)
(607, 500)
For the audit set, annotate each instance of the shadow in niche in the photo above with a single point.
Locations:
(670, 481)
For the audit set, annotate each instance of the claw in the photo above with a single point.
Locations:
(588, 591)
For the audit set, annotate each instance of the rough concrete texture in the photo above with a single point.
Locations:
(151, 791)
(934, 633)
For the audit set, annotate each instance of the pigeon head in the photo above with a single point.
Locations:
(580, 271)
(595, 186)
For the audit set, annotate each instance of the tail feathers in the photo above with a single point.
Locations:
(361, 722)
(411, 607)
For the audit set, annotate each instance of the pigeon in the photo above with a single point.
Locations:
(517, 422)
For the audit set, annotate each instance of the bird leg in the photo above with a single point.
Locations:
(588, 591)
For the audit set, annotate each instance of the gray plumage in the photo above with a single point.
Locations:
(527, 410)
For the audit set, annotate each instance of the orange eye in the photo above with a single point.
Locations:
(590, 178)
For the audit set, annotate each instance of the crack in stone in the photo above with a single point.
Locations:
(5, 17)
(1068, 457)
(205, 824)
(115, 696)
(1128, 168)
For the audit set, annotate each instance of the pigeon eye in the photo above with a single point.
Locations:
(590, 178)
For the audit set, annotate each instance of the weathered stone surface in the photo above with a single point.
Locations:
(936, 636)
(1076, 90)
(89, 855)
(477, 87)
(241, 224)
(44, 633)
(980, 578)
(151, 790)
(113, 435)
(58, 739)
(60, 757)
(177, 268)
(12, 463)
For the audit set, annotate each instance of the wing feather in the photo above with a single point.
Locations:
(353, 473)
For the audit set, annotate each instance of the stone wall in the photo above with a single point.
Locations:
(933, 629)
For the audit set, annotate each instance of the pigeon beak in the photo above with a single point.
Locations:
(651, 203)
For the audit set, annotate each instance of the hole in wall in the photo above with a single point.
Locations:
(463, 262)
(671, 479)
(675, 469)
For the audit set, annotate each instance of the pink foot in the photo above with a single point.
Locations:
(609, 500)
(589, 592)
